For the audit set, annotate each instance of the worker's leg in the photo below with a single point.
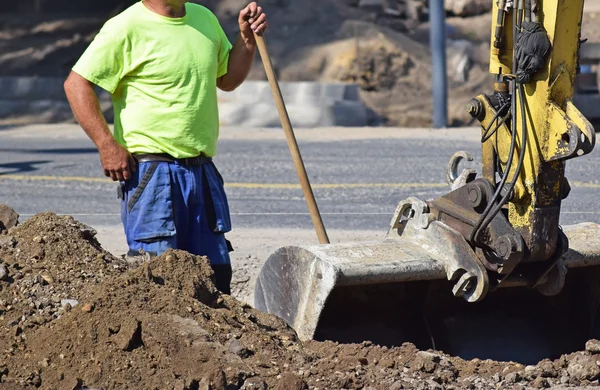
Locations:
(147, 210)
(209, 221)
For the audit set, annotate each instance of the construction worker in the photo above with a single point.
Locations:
(162, 61)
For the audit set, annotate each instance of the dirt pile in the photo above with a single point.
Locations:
(46, 265)
(163, 325)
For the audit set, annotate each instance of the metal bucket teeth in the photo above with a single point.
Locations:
(296, 282)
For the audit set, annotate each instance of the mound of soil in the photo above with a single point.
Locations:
(164, 325)
(46, 265)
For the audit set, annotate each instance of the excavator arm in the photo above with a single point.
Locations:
(492, 233)
(530, 128)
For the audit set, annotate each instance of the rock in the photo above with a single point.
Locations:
(547, 369)
(72, 384)
(179, 385)
(3, 273)
(48, 279)
(254, 384)
(583, 367)
(217, 380)
(540, 383)
(397, 386)
(129, 336)
(8, 218)
(204, 384)
(512, 377)
(88, 307)
(8, 241)
(425, 362)
(147, 272)
(71, 302)
(290, 381)
(467, 7)
(237, 348)
(593, 346)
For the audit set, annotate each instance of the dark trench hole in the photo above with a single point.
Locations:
(511, 324)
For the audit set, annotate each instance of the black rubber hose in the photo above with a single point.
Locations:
(513, 183)
(486, 136)
(474, 238)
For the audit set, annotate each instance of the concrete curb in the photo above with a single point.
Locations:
(309, 104)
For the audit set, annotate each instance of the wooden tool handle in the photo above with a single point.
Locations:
(291, 140)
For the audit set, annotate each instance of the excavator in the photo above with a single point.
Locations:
(486, 270)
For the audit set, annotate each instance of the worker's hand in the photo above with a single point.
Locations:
(252, 20)
(118, 164)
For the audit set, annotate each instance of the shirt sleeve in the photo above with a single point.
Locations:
(224, 49)
(105, 62)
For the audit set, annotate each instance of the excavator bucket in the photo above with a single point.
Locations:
(403, 288)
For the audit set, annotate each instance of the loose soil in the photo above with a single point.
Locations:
(163, 325)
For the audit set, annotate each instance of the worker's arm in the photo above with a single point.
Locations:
(251, 20)
(116, 161)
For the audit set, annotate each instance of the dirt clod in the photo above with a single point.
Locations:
(3, 273)
(290, 381)
(583, 367)
(8, 218)
(593, 346)
(129, 335)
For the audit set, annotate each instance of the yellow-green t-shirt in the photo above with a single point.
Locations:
(162, 74)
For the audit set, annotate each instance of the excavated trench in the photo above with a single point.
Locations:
(512, 324)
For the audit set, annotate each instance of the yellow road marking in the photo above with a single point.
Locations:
(277, 186)
(583, 184)
(56, 178)
(270, 186)
(281, 186)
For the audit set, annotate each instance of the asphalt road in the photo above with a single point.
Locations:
(358, 182)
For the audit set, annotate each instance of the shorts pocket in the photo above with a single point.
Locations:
(219, 199)
(149, 203)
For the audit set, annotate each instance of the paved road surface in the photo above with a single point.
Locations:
(359, 175)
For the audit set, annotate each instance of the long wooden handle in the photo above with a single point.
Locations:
(291, 140)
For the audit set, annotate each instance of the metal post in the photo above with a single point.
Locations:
(437, 39)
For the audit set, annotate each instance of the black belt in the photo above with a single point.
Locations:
(162, 157)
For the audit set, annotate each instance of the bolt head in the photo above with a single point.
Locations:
(505, 246)
(473, 195)
(476, 195)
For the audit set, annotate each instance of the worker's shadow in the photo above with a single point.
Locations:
(20, 167)
(52, 151)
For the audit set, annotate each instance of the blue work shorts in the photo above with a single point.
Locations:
(169, 205)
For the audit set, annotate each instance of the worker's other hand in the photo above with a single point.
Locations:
(252, 20)
(118, 164)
